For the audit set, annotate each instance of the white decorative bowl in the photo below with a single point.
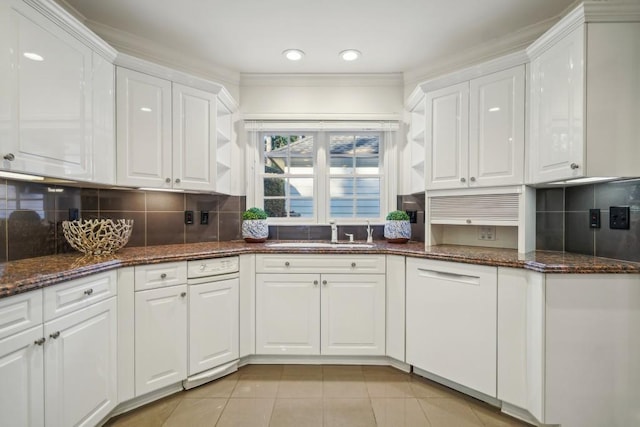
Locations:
(97, 236)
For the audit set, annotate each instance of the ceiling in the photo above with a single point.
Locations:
(248, 36)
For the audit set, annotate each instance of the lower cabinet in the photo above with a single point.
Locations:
(80, 366)
(160, 337)
(214, 323)
(452, 320)
(329, 314)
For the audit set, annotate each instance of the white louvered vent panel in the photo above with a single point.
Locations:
(478, 208)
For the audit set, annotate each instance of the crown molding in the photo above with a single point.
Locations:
(71, 23)
(322, 80)
(485, 52)
(256, 125)
(137, 64)
(337, 117)
(134, 45)
(587, 12)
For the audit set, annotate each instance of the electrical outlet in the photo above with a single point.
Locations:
(619, 217)
(594, 218)
(204, 217)
(188, 217)
(486, 233)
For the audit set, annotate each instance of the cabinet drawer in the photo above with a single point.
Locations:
(75, 294)
(160, 275)
(348, 263)
(20, 312)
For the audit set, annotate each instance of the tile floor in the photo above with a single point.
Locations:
(315, 395)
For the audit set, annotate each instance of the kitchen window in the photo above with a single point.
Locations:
(316, 175)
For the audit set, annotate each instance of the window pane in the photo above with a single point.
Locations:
(341, 165)
(367, 165)
(275, 165)
(301, 187)
(368, 186)
(341, 208)
(341, 187)
(274, 187)
(341, 146)
(301, 166)
(301, 207)
(275, 207)
(367, 145)
(368, 208)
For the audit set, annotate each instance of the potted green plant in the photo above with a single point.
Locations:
(397, 228)
(254, 225)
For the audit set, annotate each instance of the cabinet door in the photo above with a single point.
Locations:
(353, 314)
(143, 118)
(557, 116)
(81, 366)
(22, 373)
(213, 324)
(194, 139)
(104, 121)
(51, 98)
(287, 314)
(451, 322)
(496, 129)
(161, 338)
(447, 137)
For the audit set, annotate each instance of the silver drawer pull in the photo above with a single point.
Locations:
(574, 166)
(183, 294)
(167, 180)
(287, 264)
(353, 264)
(55, 335)
(88, 291)
(463, 180)
(39, 341)
(163, 276)
(315, 283)
(10, 157)
(324, 282)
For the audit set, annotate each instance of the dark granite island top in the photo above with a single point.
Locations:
(34, 273)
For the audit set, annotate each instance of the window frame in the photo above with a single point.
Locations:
(388, 132)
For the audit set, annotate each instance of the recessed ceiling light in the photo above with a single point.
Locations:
(33, 56)
(350, 54)
(293, 54)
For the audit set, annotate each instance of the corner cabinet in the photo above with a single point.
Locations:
(329, 305)
(584, 99)
(474, 132)
(50, 79)
(171, 136)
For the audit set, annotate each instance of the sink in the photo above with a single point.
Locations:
(319, 245)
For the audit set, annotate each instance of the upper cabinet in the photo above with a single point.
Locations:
(51, 124)
(415, 147)
(474, 132)
(172, 136)
(584, 93)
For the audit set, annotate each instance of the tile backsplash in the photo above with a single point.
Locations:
(562, 220)
(31, 215)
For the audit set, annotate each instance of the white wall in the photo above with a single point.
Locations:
(325, 96)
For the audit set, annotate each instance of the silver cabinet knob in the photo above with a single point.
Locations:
(10, 157)
(163, 276)
(315, 283)
(167, 180)
(39, 341)
(574, 166)
(463, 180)
(324, 282)
(468, 221)
(177, 180)
(88, 291)
(287, 264)
(54, 335)
(183, 294)
(472, 179)
(353, 264)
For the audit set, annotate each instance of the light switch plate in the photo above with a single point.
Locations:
(619, 217)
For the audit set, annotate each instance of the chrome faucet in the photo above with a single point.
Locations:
(334, 231)
(369, 232)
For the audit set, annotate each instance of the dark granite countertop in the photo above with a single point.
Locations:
(34, 273)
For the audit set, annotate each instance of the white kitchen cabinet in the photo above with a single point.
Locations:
(224, 152)
(447, 137)
(160, 337)
(81, 365)
(451, 322)
(584, 92)
(339, 310)
(50, 74)
(144, 147)
(104, 121)
(352, 314)
(415, 156)
(22, 373)
(474, 132)
(213, 324)
(287, 314)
